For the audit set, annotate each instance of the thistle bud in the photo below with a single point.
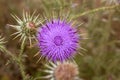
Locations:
(26, 27)
(62, 71)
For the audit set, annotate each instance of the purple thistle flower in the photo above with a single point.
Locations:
(58, 40)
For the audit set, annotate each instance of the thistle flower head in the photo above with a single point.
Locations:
(62, 71)
(26, 27)
(58, 40)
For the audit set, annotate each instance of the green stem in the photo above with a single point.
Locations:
(22, 70)
(96, 10)
(10, 54)
(20, 59)
(17, 60)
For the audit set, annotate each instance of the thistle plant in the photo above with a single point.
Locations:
(58, 37)
(26, 30)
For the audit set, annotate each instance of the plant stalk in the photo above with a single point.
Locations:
(96, 10)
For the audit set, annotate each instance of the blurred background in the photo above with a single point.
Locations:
(100, 60)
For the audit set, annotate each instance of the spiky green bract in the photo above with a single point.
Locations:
(26, 27)
(2, 42)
